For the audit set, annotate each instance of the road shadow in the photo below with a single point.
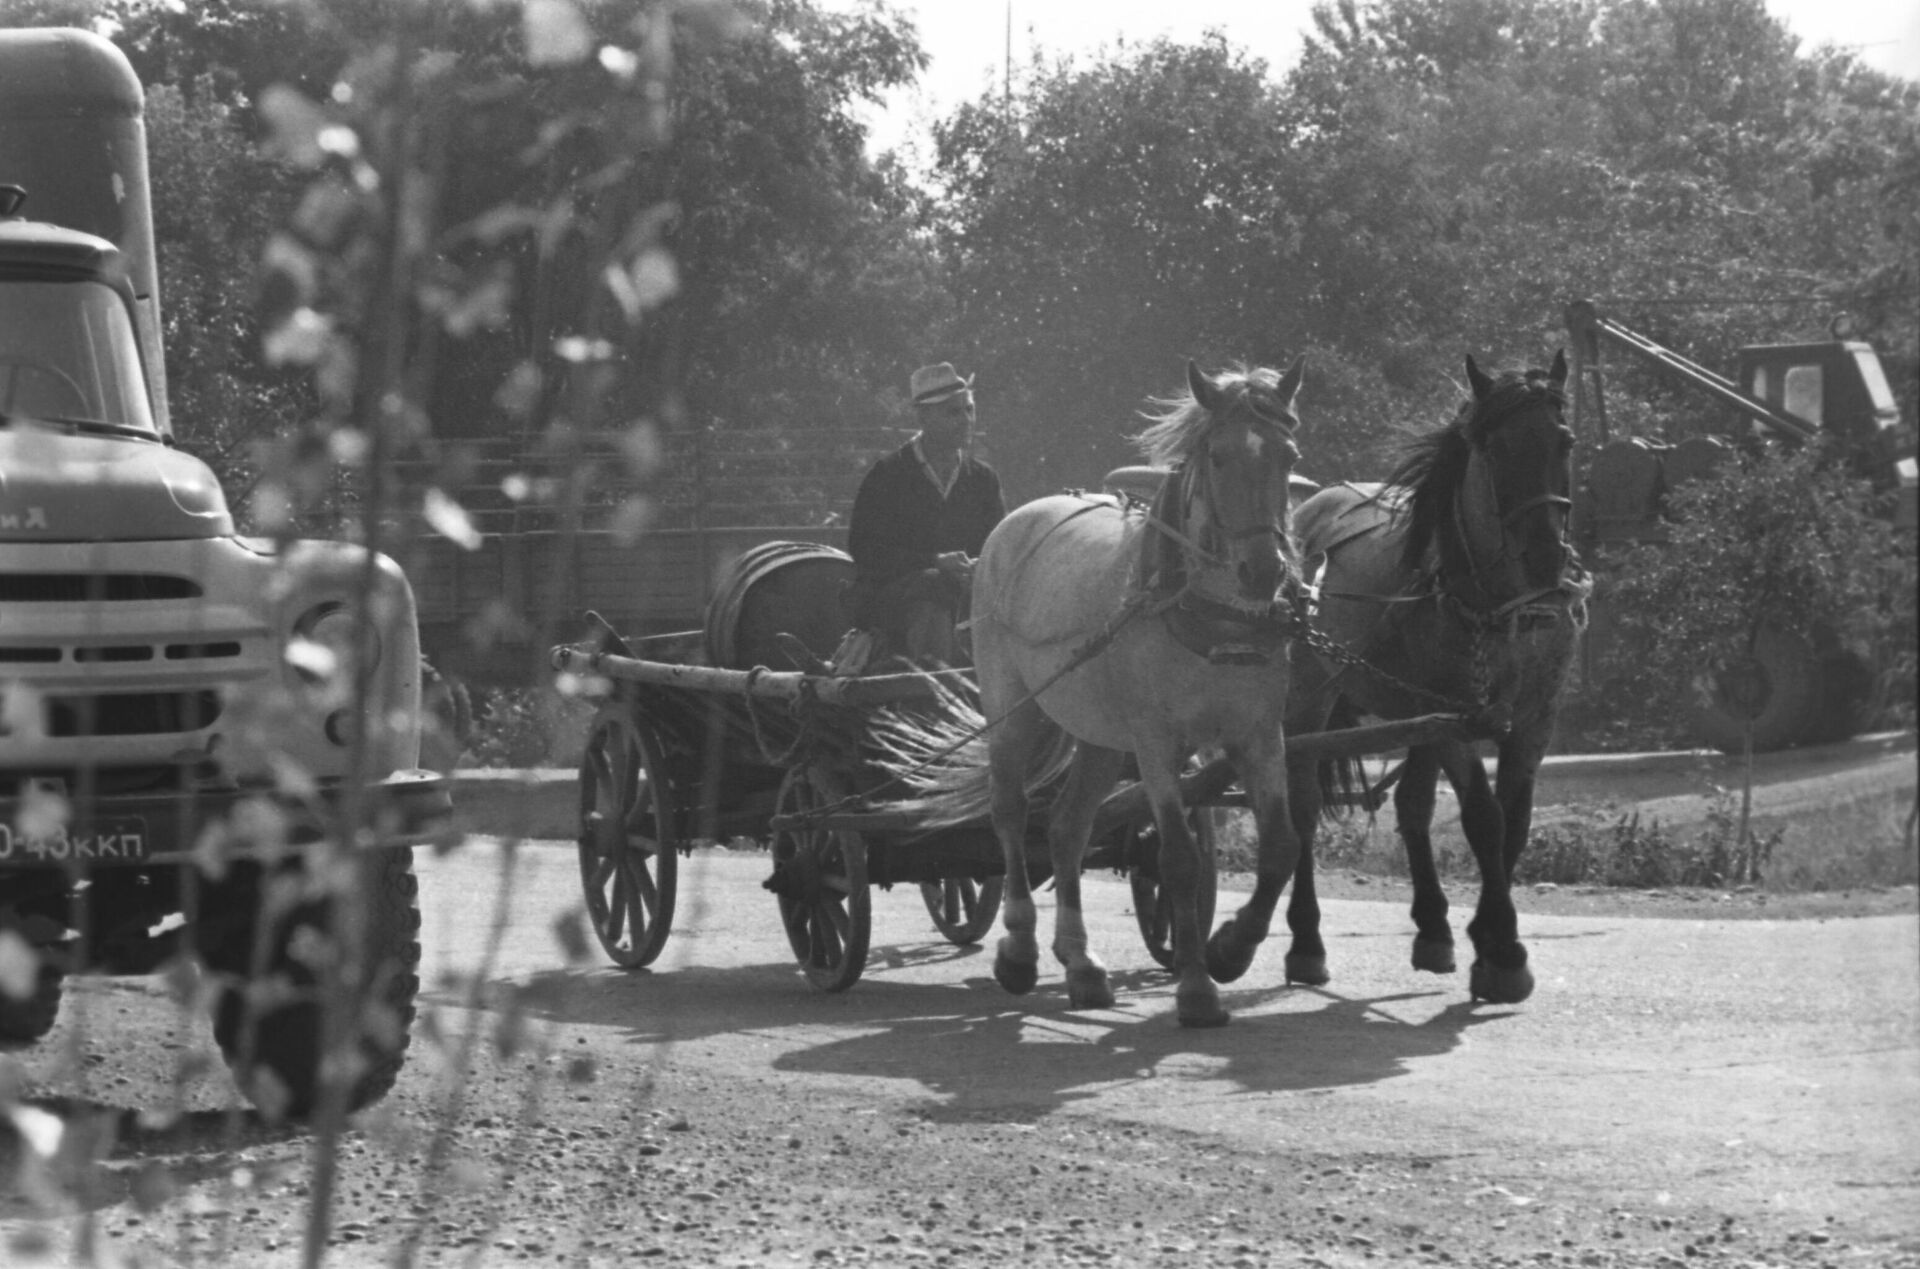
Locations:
(983, 1054)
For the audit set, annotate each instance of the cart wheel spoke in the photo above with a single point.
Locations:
(829, 943)
(837, 921)
(1153, 910)
(628, 859)
(963, 909)
(825, 904)
(616, 929)
(643, 886)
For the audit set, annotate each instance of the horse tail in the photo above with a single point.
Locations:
(1343, 781)
(939, 754)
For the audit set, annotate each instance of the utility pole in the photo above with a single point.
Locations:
(1006, 91)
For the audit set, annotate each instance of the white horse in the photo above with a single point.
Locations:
(1152, 632)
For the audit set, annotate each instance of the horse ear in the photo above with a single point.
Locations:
(1481, 384)
(1202, 387)
(1290, 381)
(1557, 373)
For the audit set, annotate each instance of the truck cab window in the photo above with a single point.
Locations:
(1803, 394)
(68, 352)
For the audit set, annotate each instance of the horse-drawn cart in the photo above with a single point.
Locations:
(682, 752)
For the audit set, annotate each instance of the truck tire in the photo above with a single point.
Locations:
(1778, 687)
(28, 1021)
(1843, 704)
(446, 718)
(281, 1037)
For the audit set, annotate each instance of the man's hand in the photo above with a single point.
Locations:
(954, 564)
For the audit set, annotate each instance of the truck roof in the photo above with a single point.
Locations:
(34, 248)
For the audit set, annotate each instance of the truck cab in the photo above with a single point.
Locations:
(1841, 389)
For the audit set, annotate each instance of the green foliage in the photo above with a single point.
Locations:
(1792, 541)
(1428, 180)
(216, 200)
(1112, 222)
(1633, 853)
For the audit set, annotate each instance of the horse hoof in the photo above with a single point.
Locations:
(1018, 977)
(1227, 958)
(1500, 986)
(1088, 989)
(1432, 956)
(1202, 1012)
(1309, 970)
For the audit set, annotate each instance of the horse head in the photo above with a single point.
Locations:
(1230, 443)
(1492, 489)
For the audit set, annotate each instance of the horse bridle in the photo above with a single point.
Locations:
(1573, 581)
(1189, 475)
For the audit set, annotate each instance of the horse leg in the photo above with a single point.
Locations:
(1263, 770)
(1500, 972)
(1413, 814)
(1090, 778)
(1311, 706)
(1012, 749)
(1306, 960)
(1196, 999)
(1519, 762)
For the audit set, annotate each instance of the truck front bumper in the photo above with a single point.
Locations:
(137, 830)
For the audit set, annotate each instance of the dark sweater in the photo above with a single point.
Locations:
(900, 523)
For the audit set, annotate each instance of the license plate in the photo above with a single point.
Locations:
(110, 841)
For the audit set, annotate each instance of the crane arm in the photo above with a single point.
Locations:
(1590, 330)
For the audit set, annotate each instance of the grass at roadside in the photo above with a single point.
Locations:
(1862, 843)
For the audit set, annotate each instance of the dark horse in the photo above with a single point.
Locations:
(1455, 586)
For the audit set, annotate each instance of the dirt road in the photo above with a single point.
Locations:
(1732, 1092)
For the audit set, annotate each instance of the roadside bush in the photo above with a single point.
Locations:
(526, 727)
(1630, 852)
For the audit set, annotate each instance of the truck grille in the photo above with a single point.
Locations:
(131, 713)
(80, 588)
(48, 653)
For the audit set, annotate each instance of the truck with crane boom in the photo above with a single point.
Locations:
(1791, 690)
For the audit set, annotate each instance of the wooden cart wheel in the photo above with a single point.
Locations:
(629, 860)
(821, 884)
(1151, 908)
(963, 909)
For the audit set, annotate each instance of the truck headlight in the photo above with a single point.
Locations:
(323, 648)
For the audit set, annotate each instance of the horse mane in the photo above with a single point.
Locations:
(1432, 466)
(1175, 430)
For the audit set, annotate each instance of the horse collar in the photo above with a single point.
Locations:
(1226, 634)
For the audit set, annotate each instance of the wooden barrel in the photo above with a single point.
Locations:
(794, 587)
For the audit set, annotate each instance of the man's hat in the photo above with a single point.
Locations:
(937, 383)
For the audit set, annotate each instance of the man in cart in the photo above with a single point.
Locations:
(922, 514)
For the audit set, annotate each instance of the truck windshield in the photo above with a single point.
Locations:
(68, 354)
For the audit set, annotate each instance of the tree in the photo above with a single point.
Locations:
(1104, 225)
(1769, 563)
(216, 199)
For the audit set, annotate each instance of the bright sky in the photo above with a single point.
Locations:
(967, 39)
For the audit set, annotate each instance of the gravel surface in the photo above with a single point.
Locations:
(661, 1164)
(569, 1145)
